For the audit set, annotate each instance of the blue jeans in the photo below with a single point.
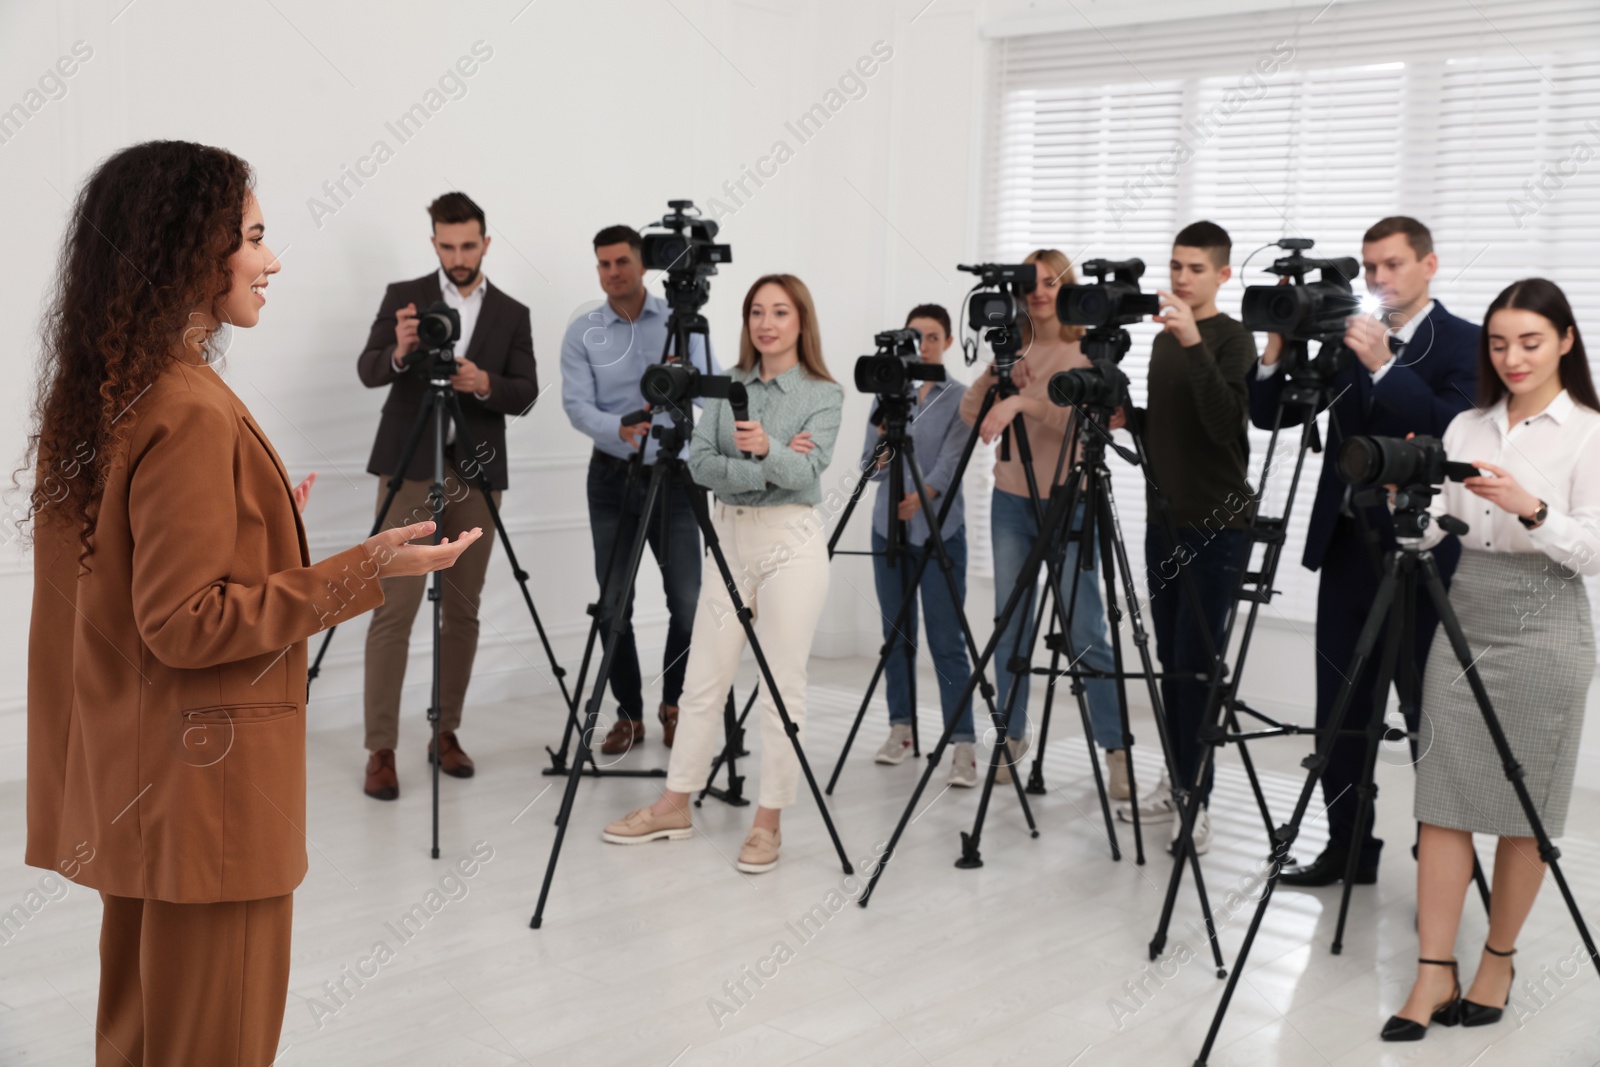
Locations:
(1013, 529)
(1212, 558)
(941, 617)
(614, 512)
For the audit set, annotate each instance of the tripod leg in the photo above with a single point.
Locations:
(1284, 837)
(584, 755)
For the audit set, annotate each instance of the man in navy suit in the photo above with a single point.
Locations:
(1415, 368)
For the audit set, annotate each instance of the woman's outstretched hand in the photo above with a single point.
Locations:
(396, 557)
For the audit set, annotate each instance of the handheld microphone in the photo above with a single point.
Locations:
(739, 400)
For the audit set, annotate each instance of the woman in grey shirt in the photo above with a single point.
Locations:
(776, 545)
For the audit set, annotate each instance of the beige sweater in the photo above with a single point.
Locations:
(1045, 433)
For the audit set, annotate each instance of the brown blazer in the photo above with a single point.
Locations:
(502, 346)
(167, 684)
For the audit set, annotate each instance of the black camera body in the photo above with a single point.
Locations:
(438, 326)
(999, 304)
(674, 385)
(896, 367)
(1117, 302)
(1102, 385)
(1306, 312)
(689, 246)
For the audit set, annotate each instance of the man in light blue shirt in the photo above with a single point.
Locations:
(603, 358)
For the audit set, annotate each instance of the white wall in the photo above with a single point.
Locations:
(584, 115)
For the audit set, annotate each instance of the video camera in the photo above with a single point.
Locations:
(998, 306)
(1102, 385)
(1365, 461)
(689, 246)
(1117, 302)
(1305, 312)
(897, 365)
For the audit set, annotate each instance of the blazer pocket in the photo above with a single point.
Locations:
(242, 713)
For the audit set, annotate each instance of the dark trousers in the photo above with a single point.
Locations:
(1212, 559)
(615, 512)
(1344, 597)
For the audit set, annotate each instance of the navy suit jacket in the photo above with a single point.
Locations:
(1433, 380)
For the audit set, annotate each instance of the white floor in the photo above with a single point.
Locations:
(1030, 960)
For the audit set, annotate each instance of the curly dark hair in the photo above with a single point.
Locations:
(147, 246)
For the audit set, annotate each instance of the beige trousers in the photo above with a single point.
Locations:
(779, 559)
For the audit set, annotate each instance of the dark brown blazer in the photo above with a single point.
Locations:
(502, 345)
(167, 684)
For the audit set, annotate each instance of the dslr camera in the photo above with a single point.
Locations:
(1305, 311)
(896, 367)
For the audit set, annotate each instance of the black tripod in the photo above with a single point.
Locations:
(1393, 606)
(898, 449)
(669, 465)
(441, 404)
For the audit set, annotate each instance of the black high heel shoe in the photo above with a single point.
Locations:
(1446, 1014)
(1475, 1014)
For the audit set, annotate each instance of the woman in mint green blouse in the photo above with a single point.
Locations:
(775, 540)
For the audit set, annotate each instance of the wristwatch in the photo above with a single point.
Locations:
(1538, 517)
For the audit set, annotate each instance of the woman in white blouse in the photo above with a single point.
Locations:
(1534, 518)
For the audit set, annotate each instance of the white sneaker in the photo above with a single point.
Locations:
(1157, 805)
(1019, 748)
(964, 765)
(1202, 833)
(898, 746)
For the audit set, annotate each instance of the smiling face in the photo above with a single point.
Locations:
(621, 270)
(460, 247)
(1526, 351)
(249, 268)
(774, 322)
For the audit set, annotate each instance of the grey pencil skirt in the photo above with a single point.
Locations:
(1527, 620)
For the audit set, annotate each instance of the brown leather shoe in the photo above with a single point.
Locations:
(382, 781)
(623, 735)
(669, 722)
(454, 761)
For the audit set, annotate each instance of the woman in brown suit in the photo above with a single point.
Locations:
(173, 596)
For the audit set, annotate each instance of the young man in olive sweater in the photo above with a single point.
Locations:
(1198, 407)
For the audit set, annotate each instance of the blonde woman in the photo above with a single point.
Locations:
(1048, 347)
(764, 519)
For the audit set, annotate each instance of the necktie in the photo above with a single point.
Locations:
(1395, 344)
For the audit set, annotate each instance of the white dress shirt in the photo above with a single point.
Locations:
(1555, 455)
(469, 308)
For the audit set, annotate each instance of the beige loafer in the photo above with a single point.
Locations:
(760, 851)
(641, 825)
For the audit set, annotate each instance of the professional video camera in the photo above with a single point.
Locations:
(1415, 467)
(438, 329)
(997, 307)
(688, 254)
(672, 385)
(1305, 312)
(1102, 385)
(897, 365)
(1117, 302)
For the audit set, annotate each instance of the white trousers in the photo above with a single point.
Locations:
(779, 559)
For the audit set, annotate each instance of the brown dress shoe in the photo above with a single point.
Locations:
(454, 761)
(382, 781)
(669, 722)
(623, 735)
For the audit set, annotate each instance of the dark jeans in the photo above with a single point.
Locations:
(1344, 597)
(614, 513)
(940, 616)
(1212, 559)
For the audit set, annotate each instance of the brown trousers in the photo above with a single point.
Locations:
(389, 636)
(192, 983)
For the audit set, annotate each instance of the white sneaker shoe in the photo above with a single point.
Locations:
(898, 747)
(1202, 833)
(1157, 805)
(964, 765)
(1019, 748)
